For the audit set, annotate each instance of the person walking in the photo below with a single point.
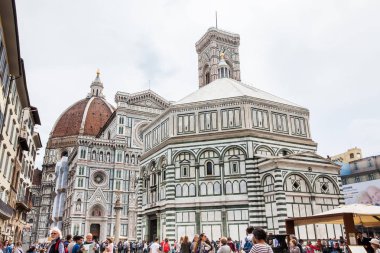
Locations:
(90, 245)
(78, 244)
(231, 244)
(165, 246)
(247, 242)
(203, 245)
(293, 248)
(185, 245)
(155, 247)
(56, 245)
(259, 242)
(375, 244)
(225, 247)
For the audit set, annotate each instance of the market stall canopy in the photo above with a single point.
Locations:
(365, 215)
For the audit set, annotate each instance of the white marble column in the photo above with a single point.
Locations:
(117, 208)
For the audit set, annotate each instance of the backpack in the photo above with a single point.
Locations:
(166, 247)
(247, 245)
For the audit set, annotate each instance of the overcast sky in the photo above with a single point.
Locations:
(323, 55)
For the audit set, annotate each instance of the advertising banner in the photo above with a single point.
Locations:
(362, 193)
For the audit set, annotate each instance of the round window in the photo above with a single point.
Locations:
(99, 178)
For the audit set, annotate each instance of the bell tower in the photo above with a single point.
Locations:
(216, 46)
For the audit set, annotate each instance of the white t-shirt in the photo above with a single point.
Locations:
(155, 247)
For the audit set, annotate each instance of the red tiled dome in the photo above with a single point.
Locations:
(85, 117)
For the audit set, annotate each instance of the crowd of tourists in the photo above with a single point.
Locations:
(255, 241)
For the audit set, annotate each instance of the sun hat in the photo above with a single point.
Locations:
(375, 241)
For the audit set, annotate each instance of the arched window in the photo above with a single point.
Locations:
(210, 189)
(235, 187)
(209, 168)
(101, 156)
(264, 151)
(191, 190)
(243, 187)
(217, 188)
(133, 159)
(207, 77)
(228, 188)
(93, 157)
(108, 157)
(203, 189)
(126, 158)
(185, 190)
(78, 205)
(109, 135)
(178, 191)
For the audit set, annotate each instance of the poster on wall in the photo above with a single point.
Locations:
(362, 193)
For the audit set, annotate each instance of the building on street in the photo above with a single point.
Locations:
(230, 155)
(19, 141)
(350, 155)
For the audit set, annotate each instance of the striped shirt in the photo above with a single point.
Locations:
(261, 248)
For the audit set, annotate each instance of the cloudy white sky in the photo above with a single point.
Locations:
(323, 55)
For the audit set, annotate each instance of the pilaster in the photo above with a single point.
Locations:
(280, 201)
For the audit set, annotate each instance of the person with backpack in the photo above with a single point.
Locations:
(56, 245)
(67, 242)
(247, 242)
(165, 246)
(259, 242)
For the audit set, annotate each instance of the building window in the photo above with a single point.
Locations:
(80, 182)
(83, 153)
(260, 119)
(352, 156)
(81, 171)
(207, 77)
(119, 157)
(344, 181)
(118, 173)
(298, 126)
(357, 180)
(118, 185)
(234, 167)
(209, 168)
(371, 177)
(280, 122)
(121, 120)
(208, 121)
(121, 130)
(186, 123)
(231, 118)
(369, 163)
(185, 171)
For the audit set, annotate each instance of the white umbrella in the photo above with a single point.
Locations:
(365, 215)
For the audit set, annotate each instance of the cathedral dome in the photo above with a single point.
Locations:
(85, 117)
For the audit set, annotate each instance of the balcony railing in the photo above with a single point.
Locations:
(6, 211)
(23, 204)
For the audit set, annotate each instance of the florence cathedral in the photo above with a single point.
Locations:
(224, 157)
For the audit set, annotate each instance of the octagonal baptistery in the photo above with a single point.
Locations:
(229, 155)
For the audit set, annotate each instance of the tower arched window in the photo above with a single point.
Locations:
(207, 77)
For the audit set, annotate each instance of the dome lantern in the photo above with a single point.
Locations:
(96, 87)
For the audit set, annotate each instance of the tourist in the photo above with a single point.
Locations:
(109, 248)
(293, 248)
(259, 242)
(224, 247)
(89, 245)
(185, 246)
(18, 248)
(78, 244)
(72, 244)
(67, 242)
(194, 243)
(177, 245)
(126, 246)
(9, 248)
(203, 245)
(56, 245)
(375, 244)
(365, 242)
(155, 247)
(145, 247)
(165, 246)
(231, 244)
(247, 242)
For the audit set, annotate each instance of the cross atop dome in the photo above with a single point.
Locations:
(96, 86)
